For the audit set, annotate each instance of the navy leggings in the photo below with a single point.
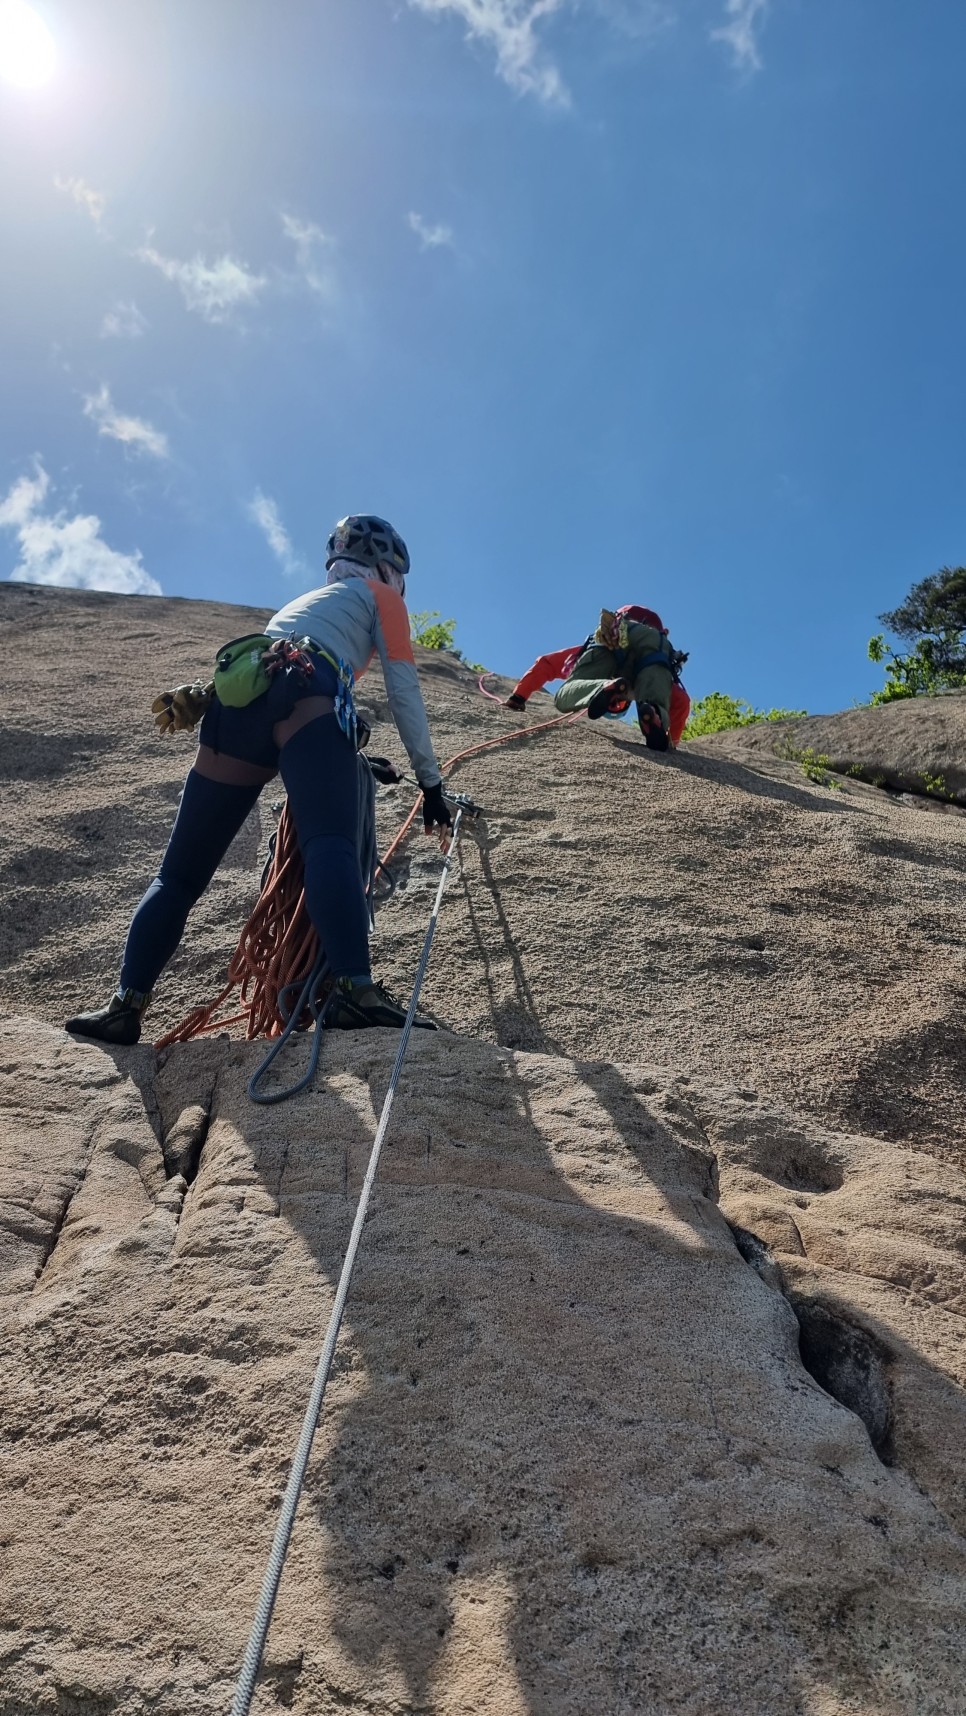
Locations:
(321, 775)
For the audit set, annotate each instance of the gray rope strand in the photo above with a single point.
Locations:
(245, 1689)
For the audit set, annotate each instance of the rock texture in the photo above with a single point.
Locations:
(917, 748)
(651, 1396)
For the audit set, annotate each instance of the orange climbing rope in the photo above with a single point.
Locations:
(278, 945)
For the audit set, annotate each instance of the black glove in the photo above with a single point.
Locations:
(435, 809)
(515, 702)
(384, 771)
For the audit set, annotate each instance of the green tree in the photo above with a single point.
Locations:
(718, 713)
(934, 608)
(927, 668)
(933, 619)
(432, 631)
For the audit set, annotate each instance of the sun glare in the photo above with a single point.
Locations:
(27, 51)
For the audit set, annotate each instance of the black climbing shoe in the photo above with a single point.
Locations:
(119, 1022)
(354, 1006)
(612, 696)
(651, 725)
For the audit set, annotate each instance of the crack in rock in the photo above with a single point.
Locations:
(50, 1244)
(844, 1359)
(850, 1365)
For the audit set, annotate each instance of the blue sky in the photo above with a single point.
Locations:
(598, 300)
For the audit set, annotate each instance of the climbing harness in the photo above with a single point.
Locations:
(355, 729)
(672, 659)
(245, 1688)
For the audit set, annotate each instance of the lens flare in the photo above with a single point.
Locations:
(28, 53)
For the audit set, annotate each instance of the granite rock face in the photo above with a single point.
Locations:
(916, 747)
(650, 1396)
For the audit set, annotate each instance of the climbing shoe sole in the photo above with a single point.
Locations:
(600, 704)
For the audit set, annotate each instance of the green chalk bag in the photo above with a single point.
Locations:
(240, 671)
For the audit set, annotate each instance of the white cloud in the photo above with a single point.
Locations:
(431, 237)
(214, 289)
(123, 321)
(740, 33)
(68, 551)
(314, 251)
(133, 432)
(23, 499)
(264, 512)
(512, 30)
(509, 27)
(95, 202)
(639, 20)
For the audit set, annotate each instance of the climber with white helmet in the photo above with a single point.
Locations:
(281, 702)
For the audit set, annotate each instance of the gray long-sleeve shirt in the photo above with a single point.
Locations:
(356, 619)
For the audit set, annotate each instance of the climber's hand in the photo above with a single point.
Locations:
(436, 811)
(384, 771)
(163, 712)
(515, 702)
(180, 710)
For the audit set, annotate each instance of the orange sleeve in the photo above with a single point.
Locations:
(394, 617)
(392, 640)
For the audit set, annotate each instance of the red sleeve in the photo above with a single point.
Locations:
(680, 710)
(556, 665)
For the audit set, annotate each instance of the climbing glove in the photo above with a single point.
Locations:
(435, 809)
(180, 710)
(384, 771)
(515, 702)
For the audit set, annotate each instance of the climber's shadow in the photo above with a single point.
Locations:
(725, 771)
(515, 1018)
(546, 1308)
(501, 1261)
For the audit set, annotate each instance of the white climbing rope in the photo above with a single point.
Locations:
(245, 1688)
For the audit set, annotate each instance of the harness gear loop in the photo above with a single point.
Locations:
(245, 1689)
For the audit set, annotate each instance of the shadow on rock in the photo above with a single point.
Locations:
(569, 1438)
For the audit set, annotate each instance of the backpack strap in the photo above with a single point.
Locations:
(671, 658)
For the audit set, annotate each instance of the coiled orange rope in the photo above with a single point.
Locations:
(278, 945)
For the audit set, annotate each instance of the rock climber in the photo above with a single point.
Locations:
(629, 658)
(294, 715)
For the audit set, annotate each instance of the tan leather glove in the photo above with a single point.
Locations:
(180, 710)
